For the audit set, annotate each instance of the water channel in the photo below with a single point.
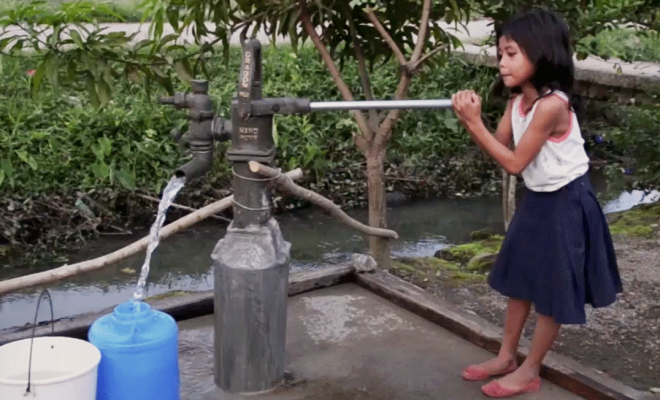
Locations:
(182, 262)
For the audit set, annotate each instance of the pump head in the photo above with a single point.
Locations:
(204, 129)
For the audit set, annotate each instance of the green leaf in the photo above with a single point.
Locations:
(182, 69)
(37, 77)
(144, 149)
(91, 89)
(26, 158)
(52, 72)
(75, 36)
(159, 72)
(97, 149)
(451, 124)
(106, 145)
(2, 177)
(100, 169)
(32, 163)
(142, 43)
(22, 154)
(7, 167)
(126, 179)
(104, 92)
(275, 136)
(168, 38)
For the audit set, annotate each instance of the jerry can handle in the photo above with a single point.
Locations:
(34, 327)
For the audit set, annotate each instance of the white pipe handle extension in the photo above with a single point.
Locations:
(378, 104)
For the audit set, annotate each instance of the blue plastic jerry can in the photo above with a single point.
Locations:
(139, 354)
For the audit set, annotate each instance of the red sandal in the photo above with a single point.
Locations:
(473, 373)
(494, 389)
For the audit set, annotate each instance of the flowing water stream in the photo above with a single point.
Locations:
(169, 194)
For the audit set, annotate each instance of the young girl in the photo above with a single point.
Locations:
(557, 253)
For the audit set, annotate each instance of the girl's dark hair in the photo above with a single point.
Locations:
(543, 36)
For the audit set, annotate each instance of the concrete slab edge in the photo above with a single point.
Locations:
(560, 370)
(188, 306)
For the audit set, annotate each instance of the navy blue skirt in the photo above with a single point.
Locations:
(558, 254)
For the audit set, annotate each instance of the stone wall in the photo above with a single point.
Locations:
(596, 79)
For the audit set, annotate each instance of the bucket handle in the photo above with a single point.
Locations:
(34, 328)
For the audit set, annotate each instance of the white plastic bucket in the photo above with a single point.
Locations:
(62, 369)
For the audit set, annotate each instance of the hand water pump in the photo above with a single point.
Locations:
(250, 263)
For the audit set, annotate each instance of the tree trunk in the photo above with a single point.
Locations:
(378, 247)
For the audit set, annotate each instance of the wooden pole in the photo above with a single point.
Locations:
(285, 182)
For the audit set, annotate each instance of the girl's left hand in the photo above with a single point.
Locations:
(467, 106)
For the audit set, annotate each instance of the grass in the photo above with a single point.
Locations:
(641, 221)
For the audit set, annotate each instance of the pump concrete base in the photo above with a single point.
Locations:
(346, 343)
(251, 271)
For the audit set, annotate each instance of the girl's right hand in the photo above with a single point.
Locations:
(467, 106)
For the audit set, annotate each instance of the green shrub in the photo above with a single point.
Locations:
(124, 10)
(626, 44)
(59, 142)
(629, 142)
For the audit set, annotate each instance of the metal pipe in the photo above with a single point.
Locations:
(378, 104)
(200, 164)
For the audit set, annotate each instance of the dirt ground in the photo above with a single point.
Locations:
(622, 341)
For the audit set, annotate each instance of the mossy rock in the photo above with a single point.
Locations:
(482, 234)
(481, 263)
(463, 253)
(444, 254)
(640, 221)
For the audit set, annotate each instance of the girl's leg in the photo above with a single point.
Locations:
(545, 333)
(516, 315)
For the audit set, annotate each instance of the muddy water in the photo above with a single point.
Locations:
(182, 262)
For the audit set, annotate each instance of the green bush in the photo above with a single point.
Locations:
(124, 10)
(58, 142)
(629, 141)
(626, 44)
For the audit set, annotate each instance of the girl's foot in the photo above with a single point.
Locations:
(494, 367)
(518, 382)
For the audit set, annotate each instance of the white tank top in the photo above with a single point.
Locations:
(561, 159)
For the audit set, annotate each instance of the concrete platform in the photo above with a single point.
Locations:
(345, 342)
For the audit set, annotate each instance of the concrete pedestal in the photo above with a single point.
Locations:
(251, 270)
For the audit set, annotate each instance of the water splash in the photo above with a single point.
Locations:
(171, 190)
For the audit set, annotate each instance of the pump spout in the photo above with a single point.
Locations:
(197, 167)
